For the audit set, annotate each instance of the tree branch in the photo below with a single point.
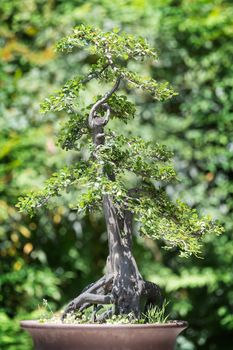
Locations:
(102, 102)
(94, 74)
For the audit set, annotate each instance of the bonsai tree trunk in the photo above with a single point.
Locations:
(122, 286)
(127, 285)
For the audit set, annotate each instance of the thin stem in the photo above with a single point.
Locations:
(94, 74)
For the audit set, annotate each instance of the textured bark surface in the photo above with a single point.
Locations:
(122, 286)
(127, 281)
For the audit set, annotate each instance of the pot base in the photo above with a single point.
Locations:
(50, 336)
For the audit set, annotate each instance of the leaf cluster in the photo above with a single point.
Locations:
(102, 173)
(121, 107)
(144, 159)
(63, 98)
(58, 182)
(72, 130)
(176, 224)
(117, 46)
(114, 50)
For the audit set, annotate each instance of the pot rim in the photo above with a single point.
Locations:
(40, 325)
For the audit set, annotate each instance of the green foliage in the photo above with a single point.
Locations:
(157, 314)
(144, 159)
(63, 98)
(121, 107)
(46, 312)
(72, 131)
(194, 41)
(58, 182)
(11, 336)
(159, 91)
(151, 316)
(177, 225)
(118, 46)
(114, 51)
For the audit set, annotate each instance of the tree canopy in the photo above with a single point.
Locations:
(174, 223)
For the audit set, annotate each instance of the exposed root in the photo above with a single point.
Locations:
(84, 307)
(93, 294)
(86, 298)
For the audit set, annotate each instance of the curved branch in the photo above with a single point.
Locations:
(94, 74)
(108, 112)
(102, 102)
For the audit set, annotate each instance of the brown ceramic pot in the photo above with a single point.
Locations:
(49, 336)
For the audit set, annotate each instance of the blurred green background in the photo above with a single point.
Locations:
(54, 255)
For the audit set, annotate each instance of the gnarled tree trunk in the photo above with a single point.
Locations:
(122, 285)
(127, 282)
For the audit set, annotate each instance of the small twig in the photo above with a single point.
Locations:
(94, 74)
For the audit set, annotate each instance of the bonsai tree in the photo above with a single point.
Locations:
(122, 176)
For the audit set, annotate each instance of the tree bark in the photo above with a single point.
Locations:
(127, 282)
(122, 286)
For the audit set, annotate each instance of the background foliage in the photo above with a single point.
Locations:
(54, 255)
